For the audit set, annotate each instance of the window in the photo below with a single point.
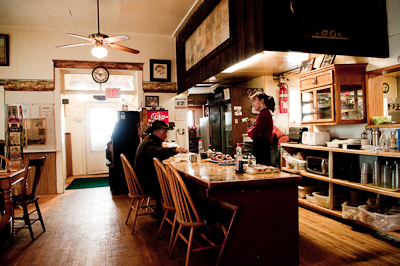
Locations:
(294, 106)
(190, 118)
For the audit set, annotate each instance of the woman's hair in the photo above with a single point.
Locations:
(268, 100)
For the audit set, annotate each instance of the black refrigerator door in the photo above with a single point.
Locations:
(125, 140)
(215, 124)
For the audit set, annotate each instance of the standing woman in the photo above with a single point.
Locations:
(261, 130)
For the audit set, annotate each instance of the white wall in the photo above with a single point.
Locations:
(33, 49)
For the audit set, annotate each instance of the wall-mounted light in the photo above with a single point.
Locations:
(99, 51)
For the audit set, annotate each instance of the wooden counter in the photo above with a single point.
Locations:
(264, 225)
(48, 181)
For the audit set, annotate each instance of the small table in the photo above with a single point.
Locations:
(7, 180)
(264, 226)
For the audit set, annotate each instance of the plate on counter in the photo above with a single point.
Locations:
(226, 162)
(216, 161)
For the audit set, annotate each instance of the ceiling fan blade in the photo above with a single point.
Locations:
(73, 45)
(117, 38)
(122, 48)
(80, 36)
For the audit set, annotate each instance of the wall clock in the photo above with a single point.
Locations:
(385, 87)
(100, 74)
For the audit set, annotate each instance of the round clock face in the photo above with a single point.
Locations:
(385, 88)
(100, 74)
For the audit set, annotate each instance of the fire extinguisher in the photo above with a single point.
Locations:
(283, 98)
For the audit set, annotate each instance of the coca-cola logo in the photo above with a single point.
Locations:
(158, 116)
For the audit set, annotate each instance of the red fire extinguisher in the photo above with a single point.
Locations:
(283, 99)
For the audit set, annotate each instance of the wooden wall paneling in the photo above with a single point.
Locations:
(239, 98)
(48, 181)
(68, 153)
(37, 55)
(374, 96)
(24, 51)
(50, 42)
(245, 41)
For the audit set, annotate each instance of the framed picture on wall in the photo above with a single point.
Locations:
(307, 65)
(160, 70)
(4, 50)
(151, 101)
(328, 60)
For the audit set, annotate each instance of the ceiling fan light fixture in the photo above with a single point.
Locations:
(99, 51)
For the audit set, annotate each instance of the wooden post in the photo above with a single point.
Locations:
(68, 152)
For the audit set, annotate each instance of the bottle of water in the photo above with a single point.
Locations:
(392, 141)
(201, 149)
(383, 141)
(239, 159)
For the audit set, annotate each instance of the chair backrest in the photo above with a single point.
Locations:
(185, 209)
(36, 165)
(164, 183)
(131, 179)
(4, 162)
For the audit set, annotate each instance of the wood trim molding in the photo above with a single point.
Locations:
(160, 86)
(27, 85)
(385, 70)
(93, 64)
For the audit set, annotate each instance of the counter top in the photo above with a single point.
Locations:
(211, 175)
(354, 151)
(38, 151)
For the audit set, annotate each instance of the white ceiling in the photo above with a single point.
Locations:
(161, 17)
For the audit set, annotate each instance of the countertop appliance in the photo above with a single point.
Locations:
(124, 139)
(316, 138)
(296, 133)
(317, 165)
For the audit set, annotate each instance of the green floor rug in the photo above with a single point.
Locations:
(80, 183)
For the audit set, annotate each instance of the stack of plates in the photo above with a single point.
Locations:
(368, 147)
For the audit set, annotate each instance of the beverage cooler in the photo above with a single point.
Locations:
(124, 139)
(221, 128)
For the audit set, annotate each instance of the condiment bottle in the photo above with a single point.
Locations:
(209, 151)
(239, 159)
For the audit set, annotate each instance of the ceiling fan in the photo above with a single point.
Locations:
(101, 39)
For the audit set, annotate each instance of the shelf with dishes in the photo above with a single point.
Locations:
(346, 183)
(334, 175)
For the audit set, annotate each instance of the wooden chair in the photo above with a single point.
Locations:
(166, 201)
(24, 199)
(186, 214)
(4, 163)
(140, 201)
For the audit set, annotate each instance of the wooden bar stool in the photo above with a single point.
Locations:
(186, 214)
(24, 199)
(166, 201)
(140, 201)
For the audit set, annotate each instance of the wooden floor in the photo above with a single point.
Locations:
(86, 227)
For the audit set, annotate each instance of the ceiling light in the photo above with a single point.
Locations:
(243, 63)
(99, 51)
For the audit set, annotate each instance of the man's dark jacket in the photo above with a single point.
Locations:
(144, 167)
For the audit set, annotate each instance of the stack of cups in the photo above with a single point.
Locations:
(365, 174)
(376, 174)
(385, 177)
(396, 181)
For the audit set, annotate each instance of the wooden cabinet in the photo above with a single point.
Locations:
(334, 94)
(335, 183)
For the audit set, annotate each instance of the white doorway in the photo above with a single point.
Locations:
(100, 119)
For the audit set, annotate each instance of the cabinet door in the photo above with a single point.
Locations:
(316, 80)
(324, 104)
(307, 106)
(352, 105)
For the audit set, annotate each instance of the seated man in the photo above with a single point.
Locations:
(148, 149)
